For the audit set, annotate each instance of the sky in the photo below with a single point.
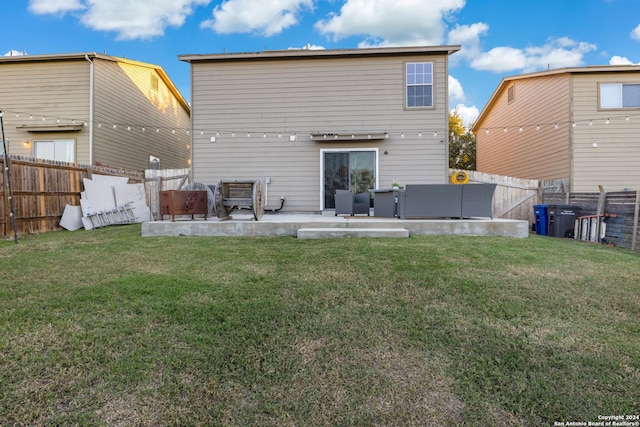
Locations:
(498, 38)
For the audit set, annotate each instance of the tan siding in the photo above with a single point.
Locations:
(55, 89)
(313, 95)
(539, 154)
(124, 96)
(615, 162)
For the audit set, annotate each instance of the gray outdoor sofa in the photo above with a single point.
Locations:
(446, 201)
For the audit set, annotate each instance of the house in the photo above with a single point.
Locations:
(308, 122)
(577, 123)
(92, 109)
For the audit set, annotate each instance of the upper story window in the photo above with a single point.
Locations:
(419, 80)
(619, 95)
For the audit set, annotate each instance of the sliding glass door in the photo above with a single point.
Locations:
(347, 170)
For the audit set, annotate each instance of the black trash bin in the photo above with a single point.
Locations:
(562, 220)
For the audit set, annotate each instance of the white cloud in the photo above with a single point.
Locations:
(557, 53)
(308, 47)
(14, 52)
(140, 19)
(391, 23)
(620, 60)
(468, 37)
(635, 34)
(54, 7)
(456, 93)
(467, 114)
(256, 16)
(500, 59)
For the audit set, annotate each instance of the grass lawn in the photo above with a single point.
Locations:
(105, 327)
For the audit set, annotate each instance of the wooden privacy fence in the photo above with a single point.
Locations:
(514, 198)
(620, 210)
(42, 189)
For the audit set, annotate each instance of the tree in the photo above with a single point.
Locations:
(462, 144)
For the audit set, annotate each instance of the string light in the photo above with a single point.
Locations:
(336, 135)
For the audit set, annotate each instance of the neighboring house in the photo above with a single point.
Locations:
(91, 109)
(577, 123)
(308, 122)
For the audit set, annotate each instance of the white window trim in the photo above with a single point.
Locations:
(432, 84)
(342, 150)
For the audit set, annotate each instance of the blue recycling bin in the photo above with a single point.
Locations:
(541, 214)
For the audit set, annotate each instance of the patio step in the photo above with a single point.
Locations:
(322, 233)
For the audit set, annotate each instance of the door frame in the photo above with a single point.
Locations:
(375, 150)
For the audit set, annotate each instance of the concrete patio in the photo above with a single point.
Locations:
(328, 225)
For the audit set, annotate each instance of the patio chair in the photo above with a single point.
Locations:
(348, 203)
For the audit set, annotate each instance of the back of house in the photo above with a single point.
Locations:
(309, 122)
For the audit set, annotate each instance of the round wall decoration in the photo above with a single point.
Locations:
(460, 177)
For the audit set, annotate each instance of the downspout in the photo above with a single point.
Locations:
(90, 109)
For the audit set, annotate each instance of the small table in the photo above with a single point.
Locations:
(385, 202)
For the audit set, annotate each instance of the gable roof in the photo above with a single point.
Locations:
(504, 83)
(78, 56)
(321, 53)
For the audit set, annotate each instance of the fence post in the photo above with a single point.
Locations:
(634, 238)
